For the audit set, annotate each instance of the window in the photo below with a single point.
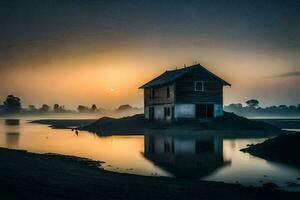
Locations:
(199, 86)
(151, 93)
(168, 92)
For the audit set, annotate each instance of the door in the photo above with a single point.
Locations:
(204, 111)
(200, 111)
(167, 113)
(151, 113)
(209, 110)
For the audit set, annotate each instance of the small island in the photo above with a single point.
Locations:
(137, 124)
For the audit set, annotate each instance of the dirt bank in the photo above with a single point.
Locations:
(137, 124)
(229, 125)
(283, 149)
(64, 123)
(26, 175)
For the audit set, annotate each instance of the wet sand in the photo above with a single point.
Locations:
(26, 175)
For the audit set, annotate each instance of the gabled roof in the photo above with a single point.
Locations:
(171, 76)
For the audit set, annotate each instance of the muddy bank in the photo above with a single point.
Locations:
(26, 175)
(282, 149)
(137, 124)
(229, 125)
(64, 123)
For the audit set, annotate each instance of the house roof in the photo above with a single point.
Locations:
(171, 76)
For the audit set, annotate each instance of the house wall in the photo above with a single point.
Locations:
(160, 95)
(146, 112)
(184, 111)
(218, 110)
(181, 111)
(159, 112)
(185, 89)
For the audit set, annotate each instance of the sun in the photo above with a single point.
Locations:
(111, 89)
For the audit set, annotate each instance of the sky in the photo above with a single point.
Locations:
(75, 52)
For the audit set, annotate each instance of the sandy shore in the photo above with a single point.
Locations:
(26, 175)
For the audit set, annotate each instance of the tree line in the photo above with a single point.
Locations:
(13, 105)
(253, 109)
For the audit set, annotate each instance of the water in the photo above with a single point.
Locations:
(192, 157)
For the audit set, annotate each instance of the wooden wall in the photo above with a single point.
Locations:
(185, 88)
(160, 95)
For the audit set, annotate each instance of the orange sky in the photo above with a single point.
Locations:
(88, 79)
(86, 52)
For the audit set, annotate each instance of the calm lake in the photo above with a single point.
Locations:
(193, 157)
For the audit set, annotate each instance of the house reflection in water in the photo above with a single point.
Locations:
(12, 122)
(191, 158)
(12, 139)
(12, 127)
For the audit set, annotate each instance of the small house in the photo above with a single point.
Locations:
(188, 93)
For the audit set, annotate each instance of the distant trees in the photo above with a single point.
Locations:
(82, 108)
(32, 108)
(253, 103)
(124, 107)
(94, 108)
(234, 107)
(59, 109)
(253, 109)
(12, 104)
(86, 109)
(45, 108)
(55, 107)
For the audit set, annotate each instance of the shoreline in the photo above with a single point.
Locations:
(127, 131)
(229, 125)
(280, 149)
(26, 175)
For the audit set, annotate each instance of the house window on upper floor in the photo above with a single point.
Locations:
(199, 86)
(151, 96)
(168, 92)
